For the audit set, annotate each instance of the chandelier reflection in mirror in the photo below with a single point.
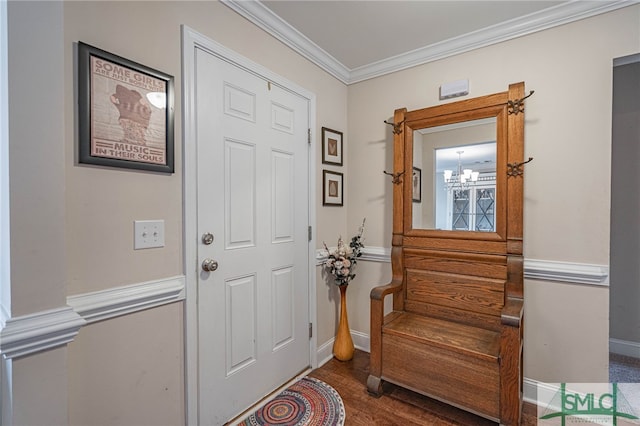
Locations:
(458, 181)
(466, 187)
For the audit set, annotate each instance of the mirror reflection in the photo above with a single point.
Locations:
(454, 176)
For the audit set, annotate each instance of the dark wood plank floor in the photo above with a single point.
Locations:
(397, 406)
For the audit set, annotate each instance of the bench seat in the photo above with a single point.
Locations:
(455, 363)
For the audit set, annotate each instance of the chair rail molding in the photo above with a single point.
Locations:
(114, 302)
(577, 273)
(534, 269)
(28, 334)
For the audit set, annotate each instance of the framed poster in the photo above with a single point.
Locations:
(125, 112)
(331, 147)
(417, 185)
(332, 186)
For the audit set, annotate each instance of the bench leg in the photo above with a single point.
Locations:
(374, 386)
(511, 377)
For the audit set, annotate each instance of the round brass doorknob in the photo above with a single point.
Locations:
(209, 265)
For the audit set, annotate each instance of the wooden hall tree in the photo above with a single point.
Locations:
(456, 329)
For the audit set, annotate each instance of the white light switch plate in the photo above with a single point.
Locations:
(148, 234)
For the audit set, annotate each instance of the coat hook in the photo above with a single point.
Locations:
(517, 106)
(397, 128)
(395, 177)
(515, 169)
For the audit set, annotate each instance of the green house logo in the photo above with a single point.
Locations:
(604, 408)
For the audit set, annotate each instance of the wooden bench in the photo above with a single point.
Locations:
(454, 339)
(455, 332)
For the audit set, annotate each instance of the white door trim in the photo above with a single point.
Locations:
(190, 41)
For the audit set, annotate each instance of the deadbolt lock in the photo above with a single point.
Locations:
(207, 238)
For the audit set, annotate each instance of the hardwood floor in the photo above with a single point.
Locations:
(397, 406)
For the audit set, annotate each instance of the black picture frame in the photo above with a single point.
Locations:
(416, 184)
(332, 188)
(125, 112)
(331, 146)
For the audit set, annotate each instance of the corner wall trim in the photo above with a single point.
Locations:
(114, 302)
(37, 332)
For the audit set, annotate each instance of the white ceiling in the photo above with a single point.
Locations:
(358, 33)
(360, 39)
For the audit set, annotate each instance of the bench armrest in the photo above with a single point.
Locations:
(378, 293)
(512, 312)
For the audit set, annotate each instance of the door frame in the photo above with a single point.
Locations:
(190, 41)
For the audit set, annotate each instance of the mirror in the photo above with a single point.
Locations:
(454, 176)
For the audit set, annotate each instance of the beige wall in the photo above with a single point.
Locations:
(129, 370)
(37, 202)
(115, 198)
(71, 225)
(102, 203)
(567, 128)
(37, 162)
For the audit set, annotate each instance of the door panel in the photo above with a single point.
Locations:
(239, 194)
(253, 196)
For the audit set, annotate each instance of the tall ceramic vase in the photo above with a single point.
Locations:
(343, 346)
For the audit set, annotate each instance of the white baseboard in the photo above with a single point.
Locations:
(361, 341)
(325, 351)
(530, 390)
(624, 347)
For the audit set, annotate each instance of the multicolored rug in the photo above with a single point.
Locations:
(308, 402)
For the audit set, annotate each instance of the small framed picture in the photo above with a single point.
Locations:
(332, 186)
(331, 147)
(125, 112)
(417, 185)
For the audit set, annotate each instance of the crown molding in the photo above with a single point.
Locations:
(260, 15)
(263, 17)
(626, 60)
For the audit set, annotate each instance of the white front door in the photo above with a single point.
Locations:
(253, 198)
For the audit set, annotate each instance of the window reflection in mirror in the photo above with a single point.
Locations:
(458, 176)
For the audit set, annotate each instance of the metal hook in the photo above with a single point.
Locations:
(517, 106)
(515, 169)
(397, 128)
(395, 177)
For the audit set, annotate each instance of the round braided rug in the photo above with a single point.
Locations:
(308, 402)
